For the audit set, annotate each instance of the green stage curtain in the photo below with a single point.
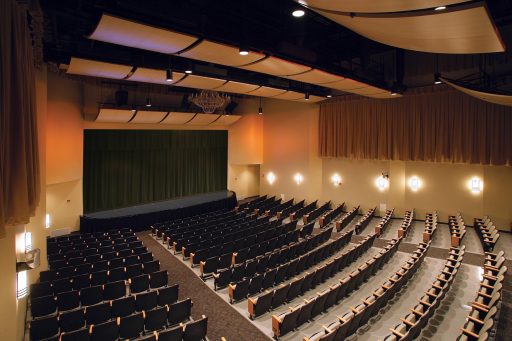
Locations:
(129, 167)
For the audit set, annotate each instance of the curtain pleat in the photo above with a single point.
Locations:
(19, 156)
(434, 124)
(124, 168)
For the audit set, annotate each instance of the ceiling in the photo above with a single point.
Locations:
(316, 43)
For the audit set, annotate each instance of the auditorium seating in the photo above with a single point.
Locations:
(384, 222)
(249, 203)
(365, 220)
(279, 208)
(121, 294)
(486, 308)
(295, 215)
(412, 323)
(347, 323)
(346, 218)
(313, 215)
(326, 218)
(457, 229)
(406, 224)
(430, 226)
(287, 211)
(487, 232)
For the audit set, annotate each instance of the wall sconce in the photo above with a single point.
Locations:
(21, 284)
(47, 221)
(336, 180)
(271, 178)
(414, 183)
(382, 182)
(476, 185)
(298, 178)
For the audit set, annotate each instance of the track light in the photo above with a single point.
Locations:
(306, 97)
(437, 78)
(260, 110)
(168, 75)
(329, 96)
(298, 13)
(440, 8)
(188, 72)
(243, 51)
(148, 102)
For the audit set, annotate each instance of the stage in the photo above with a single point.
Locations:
(141, 217)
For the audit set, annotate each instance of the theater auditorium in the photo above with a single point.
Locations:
(251, 170)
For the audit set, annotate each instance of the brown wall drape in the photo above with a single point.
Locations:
(19, 157)
(430, 124)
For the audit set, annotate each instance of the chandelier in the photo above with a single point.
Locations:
(210, 101)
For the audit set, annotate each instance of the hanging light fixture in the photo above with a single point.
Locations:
(306, 97)
(168, 75)
(148, 102)
(243, 51)
(260, 110)
(209, 101)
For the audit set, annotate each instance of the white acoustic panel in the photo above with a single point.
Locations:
(145, 116)
(178, 118)
(114, 115)
(212, 52)
(154, 76)
(226, 120)
(129, 33)
(316, 76)
(265, 91)
(290, 95)
(200, 82)
(377, 6)
(276, 67)
(467, 28)
(484, 96)
(236, 87)
(203, 119)
(346, 85)
(87, 67)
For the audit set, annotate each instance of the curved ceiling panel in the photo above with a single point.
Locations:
(226, 120)
(315, 76)
(384, 95)
(484, 96)
(200, 82)
(143, 116)
(87, 67)
(264, 91)
(276, 67)
(380, 6)
(203, 119)
(467, 28)
(312, 99)
(154, 76)
(178, 118)
(114, 115)
(236, 87)
(347, 85)
(128, 33)
(290, 95)
(220, 54)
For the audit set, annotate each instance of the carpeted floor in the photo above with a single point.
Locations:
(223, 321)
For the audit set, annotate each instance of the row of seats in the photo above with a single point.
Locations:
(326, 218)
(250, 203)
(252, 286)
(487, 232)
(347, 323)
(276, 250)
(406, 224)
(313, 215)
(384, 222)
(73, 299)
(431, 220)
(287, 211)
(412, 324)
(485, 309)
(304, 210)
(79, 240)
(69, 321)
(304, 312)
(143, 326)
(346, 218)
(365, 220)
(457, 229)
(268, 206)
(196, 221)
(101, 277)
(50, 305)
(273, 211)
(268, 263)
(301, 284)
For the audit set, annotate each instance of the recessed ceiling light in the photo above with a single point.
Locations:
(440, 8)
(188, 71)
(298, 13)
(329, 96)
(243, 51)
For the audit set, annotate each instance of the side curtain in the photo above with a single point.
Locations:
(19, 158)
(128, 167)
(432, 124)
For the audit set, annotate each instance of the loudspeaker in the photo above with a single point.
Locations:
(121, 97)
(231, 106)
